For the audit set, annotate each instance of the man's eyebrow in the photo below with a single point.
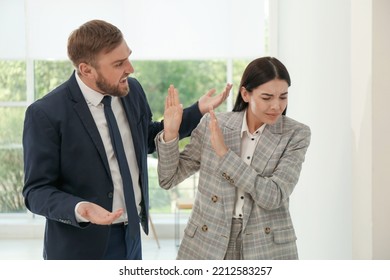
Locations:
(123, 59)
(119, 60)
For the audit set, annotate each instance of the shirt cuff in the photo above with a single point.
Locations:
(79, 218)
(163, 141)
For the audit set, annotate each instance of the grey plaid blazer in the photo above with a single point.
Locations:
(268, 231)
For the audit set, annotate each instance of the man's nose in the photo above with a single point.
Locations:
(129, 67)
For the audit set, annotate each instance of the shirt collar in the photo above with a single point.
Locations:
(244, 128)
(90, 95)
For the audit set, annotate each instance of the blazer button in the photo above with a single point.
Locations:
(231, 181)
(267, 230)
(110, 195)
(205, 228)
(214, 198)
(224, 174)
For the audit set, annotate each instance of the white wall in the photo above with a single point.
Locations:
(314, 44)
(337, 54)
(361, 115)
(381, 129)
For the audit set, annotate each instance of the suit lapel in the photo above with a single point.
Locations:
(134, 117)
(131, 113)
(81, 108)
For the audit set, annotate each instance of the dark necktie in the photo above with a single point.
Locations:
(116, 139)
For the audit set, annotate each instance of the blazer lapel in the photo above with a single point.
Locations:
(132, 113)
(82, 110)
(232, 137)
(266, 146)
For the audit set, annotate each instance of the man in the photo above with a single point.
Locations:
(74, 166)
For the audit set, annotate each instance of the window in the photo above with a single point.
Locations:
(193, 78)
(205, 55)
(12, 107)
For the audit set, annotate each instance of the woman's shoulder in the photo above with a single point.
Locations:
(229, 115)
(229, 118)
(225, 115)
(292, 124)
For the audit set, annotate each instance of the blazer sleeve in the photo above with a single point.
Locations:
(272, 188)
(191, 118)
(41, 146)
(173, 166)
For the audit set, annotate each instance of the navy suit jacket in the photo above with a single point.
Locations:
(65, 163)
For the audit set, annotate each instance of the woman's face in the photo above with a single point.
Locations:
(266, 103)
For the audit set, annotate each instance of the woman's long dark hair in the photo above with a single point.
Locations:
(258, 72)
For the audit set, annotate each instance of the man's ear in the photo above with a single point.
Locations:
(86, 70)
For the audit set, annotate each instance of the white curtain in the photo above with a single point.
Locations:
(154, 29)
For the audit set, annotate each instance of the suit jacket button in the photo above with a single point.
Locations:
(205, 228)
(110, 195)
(224, 174)
(267, 230)
(214, 198)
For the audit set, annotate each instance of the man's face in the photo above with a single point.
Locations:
(112, 71)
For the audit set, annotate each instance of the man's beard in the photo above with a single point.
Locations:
(105, 87)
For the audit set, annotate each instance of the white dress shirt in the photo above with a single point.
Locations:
(248, 145)
(93, 99)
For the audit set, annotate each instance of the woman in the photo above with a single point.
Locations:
(249, 162)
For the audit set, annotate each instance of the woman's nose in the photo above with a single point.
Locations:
(275, 105)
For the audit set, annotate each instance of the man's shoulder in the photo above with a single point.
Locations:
(55, 96)
(55, 101)
(134, 83)
(136, 90)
